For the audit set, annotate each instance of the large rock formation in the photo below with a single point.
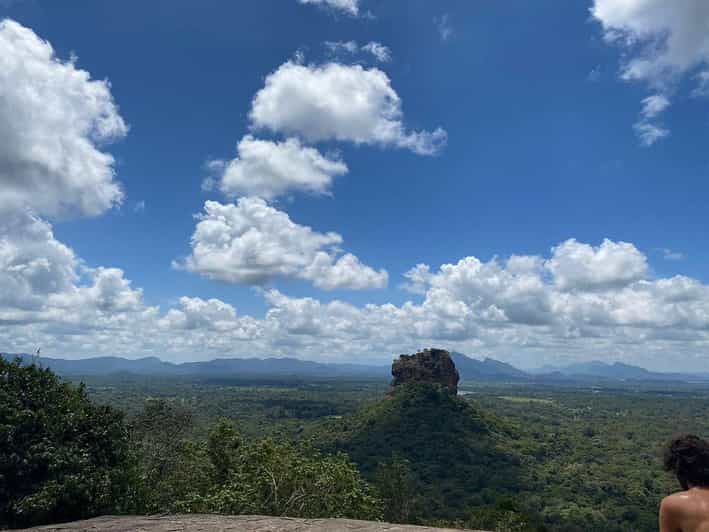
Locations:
(222, 523)
(433, 366)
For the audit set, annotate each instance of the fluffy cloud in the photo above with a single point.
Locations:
(670, 37)
(33, 264)
(663, 41)
(581, 301)
(106, 301)
(195, 313)
(575, 265)
(64, 171)
(329, 273)
(351, 7)
(43, 279)
(515, 305)
(252, 242)
(268, 169)
(340, 102)
(589, 301)
(580, 290)
(53, 118)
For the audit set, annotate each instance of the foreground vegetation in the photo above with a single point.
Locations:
(64, 458)
(503, 457)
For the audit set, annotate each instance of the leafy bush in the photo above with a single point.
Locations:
(226, 474)
(399, 489)
(61, 457)
(169, 466)
(273, 478)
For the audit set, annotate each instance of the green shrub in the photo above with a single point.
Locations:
(61, 457)
(273, 478)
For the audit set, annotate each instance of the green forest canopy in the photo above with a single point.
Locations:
(514, 458)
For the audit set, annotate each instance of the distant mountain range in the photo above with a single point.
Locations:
(470, 369)
(584, 372)
(221, 367)
(615, 371)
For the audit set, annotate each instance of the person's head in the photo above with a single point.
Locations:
(687, 456)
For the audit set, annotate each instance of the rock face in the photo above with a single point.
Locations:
(222, 523)
(433, 366)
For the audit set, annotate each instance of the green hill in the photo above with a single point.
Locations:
(433, 455)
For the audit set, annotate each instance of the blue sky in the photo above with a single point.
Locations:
(546, 147)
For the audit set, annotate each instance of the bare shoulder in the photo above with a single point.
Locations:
(675, 502)
(673, 511)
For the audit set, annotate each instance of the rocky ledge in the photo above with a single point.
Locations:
(222, 523)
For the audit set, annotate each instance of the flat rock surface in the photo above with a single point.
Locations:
(212, 523)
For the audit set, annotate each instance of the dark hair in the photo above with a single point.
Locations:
(687, 456)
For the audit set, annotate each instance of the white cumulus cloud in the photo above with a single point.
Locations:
(662, 42)
(666, 38)
(195, 313)
(33, 264)
(581, 300)
(42, 279)
(269, 169)
(252, 242)
(576, 265)
(53, 118)
(337, 102)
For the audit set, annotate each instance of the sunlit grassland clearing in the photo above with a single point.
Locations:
(519, 399)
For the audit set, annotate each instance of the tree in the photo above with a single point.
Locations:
(222, 448)
(61, 457)
(169, 467)
(398, 487)
(272, 478)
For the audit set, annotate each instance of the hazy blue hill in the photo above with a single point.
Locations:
(616, 371)
(98, 365)
(278, 366)
(488, 369)
(224, 367)
(470, 369)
